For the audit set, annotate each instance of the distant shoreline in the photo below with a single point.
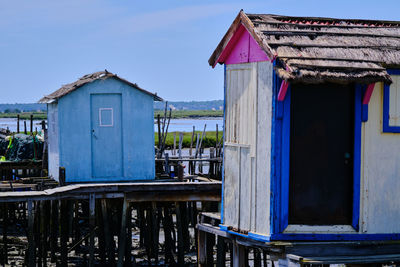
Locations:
(175, 114)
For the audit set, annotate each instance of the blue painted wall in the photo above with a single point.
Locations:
(75, 136)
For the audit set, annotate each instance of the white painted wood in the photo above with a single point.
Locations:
(296, 228)
(231, 185)
(248, 116)
(394, 101)
(245, 189)
(263, 150)
(381, 171)
(53, 144)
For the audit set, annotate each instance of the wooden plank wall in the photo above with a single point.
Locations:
(248, 146)
(380, 170)
(53, 137)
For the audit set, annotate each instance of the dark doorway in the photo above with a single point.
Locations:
(321, 154)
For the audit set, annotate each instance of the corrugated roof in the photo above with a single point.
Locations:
(322, 49)
(88, 78)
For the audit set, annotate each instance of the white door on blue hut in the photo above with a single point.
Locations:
(321, 154)
(106, 136)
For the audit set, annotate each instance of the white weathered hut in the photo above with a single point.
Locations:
(312, 128)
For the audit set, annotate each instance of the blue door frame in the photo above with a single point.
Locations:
(280, 165)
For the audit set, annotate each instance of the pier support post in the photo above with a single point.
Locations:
(238, 255)
(122, 235)
(63, 214)
(92, 221)
(5, 222)
(31, 242)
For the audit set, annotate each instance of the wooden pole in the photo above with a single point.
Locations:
(92, 222)
(174, 149)
(63, 232)
(122, 235)
(53, 230)
(180, 144)
(107, 234)
(25, 132)
(159, 136)
(31, 242)
(191, 142)
(18, 123)
(31, 122)
(5, 222)
(181, 245)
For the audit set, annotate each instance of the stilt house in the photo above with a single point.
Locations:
(312, 128)
(101, 128)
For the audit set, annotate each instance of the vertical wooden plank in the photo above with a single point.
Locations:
(201, 251)
(231, 185)
(53, 230)
(5, 223)
(245, 189)
(238, 255)
(92, 223)
(181, 245)
(109, 238)
(31, 242)
(221, 251)
(122, 235)
(63, 223)
(262, 187)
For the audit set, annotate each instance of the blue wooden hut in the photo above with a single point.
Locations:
(101, 128)
(312, 119)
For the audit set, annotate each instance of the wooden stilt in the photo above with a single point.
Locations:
(128, 250)
(5, 223)
(122, 235)
(257, 257)
(201, 249)
(53, 230)
(92, 221)
(31, 242)
(210, 242)
(155, 231)
(63, 232)
(181, 244)
(107, 234)
(238, 255)
(221, 251)
(168, 225)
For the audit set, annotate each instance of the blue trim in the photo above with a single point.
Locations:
(223, 149)
(314, 237)
(364, 112)
(393, 71)
(285, 163)
(276, 129)
(280, 160)
(386, 128)
(357, 156)
(334, 237)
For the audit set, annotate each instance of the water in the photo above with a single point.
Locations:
(11, 123)
(176, 125)
(186, 125)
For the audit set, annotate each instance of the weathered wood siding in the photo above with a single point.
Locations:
(53, 140)
(380, 203)
(248, 146)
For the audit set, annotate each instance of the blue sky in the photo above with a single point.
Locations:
(161, 45)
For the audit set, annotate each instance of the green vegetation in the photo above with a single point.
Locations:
(25, 115)
(208, 141)
(182, 114)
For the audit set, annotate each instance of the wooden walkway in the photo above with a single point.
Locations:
(132, 192)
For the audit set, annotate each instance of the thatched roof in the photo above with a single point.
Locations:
(88, 78)
(322, 49)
